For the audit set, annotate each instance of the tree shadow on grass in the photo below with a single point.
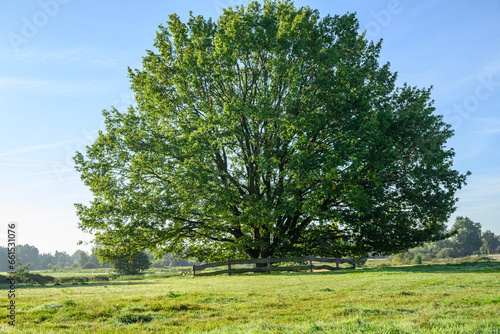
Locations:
(464, 267)
(71, 285)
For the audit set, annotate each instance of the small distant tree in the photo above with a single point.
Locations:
(22, 272)
(467, 239)
(490, 242)
(132, 265)
(52, 267)
(45, 259)
(28, 255)
(63, 259)
(76, 256)
(83, 258)
(94, 260)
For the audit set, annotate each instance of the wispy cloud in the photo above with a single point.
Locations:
(38, 185)
(52, 88)
(50, 172)
(82, 57)
(31, 162)
(487, 131)
(20, 165)
(491, 125)
(484, 188)
(38, 147)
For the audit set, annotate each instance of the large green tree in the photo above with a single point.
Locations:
(270, 132)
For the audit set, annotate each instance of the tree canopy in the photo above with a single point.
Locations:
(270, 132)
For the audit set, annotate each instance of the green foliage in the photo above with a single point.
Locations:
(270, 132)
(467, 238)
(27, 254)
(447, 253)
(490, 242)
(133, 265)
(402, 258)
(22, 273)
(417, 258)
(83, 258)
(90, 265)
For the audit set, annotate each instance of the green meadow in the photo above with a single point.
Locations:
(433, 298)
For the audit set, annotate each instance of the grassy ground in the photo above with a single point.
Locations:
(440, 298)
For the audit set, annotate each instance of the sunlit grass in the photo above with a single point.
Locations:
(452, 298)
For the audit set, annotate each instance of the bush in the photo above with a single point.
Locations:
(426, 257)
(447, 253)
(133, 266)
(401, 258)
(417, 259)
(89, 265)
(30, 278)
(100, 278)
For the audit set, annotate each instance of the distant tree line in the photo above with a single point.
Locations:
(30, 255)
(467, 239)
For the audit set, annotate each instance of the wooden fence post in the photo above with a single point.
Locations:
(194, 270)
(229, 267)
(310, 264)
(268, 265)
(337, 263)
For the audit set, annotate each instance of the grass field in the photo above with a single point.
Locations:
(438, 298)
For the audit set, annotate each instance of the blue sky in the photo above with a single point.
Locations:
(63, 61)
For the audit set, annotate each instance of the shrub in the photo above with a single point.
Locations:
(132, 266)
(89, 265)
(426, 257)
(100, 278)
(417, 259)
(447, 253)
(401, 258)
(40, 279)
